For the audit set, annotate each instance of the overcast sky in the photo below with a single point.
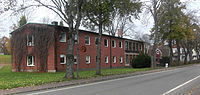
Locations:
(142, 26)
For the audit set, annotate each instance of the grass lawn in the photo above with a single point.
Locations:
(5, 59)
(10, 79)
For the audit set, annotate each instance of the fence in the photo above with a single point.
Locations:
(5, 59)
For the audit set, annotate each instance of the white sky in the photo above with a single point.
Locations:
(142, 26)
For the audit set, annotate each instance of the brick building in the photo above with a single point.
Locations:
(116, 52)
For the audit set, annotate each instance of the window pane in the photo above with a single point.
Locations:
(87, 59)
(96, 40)
(120, 44)
(62, 37)
(126, 45)
(105, 42)
(113, 43)
(30, 61)
(62, 59)
(130, 45)
(87, 40)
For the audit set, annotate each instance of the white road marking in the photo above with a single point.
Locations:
(170, 91)
(101, 82)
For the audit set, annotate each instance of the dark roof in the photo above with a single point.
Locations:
(67, 27)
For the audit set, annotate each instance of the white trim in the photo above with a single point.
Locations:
(64, 58)
(89, 40)
(63, 33)
(121, 59)
(88, 59)
(106, 42)
(120, 44)
(114, 59)
(106, 59)
(33, 63)
(114, 43)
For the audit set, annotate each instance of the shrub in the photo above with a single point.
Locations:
(164, 60)
(141, 61)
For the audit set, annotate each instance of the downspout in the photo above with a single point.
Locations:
(110, 53)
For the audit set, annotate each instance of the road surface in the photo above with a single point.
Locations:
(170, 82)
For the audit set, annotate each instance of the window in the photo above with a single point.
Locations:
(63, 37)
(134, 46)
(120, 44)
(113, 43)
(30, 61)
(106, 42)
(75, 59)
(76, 38)
(96, 40)
(130, 45)
(30, 40)
(114, 59)
(87, 40)
(126, 45)
(87, 59)
(121, 59)
(106, 59)
(140, 47)
(62, 59)
(126, 59)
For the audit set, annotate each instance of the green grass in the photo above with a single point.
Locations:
(10, 79)
(5, 59)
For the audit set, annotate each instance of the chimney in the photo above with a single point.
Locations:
(54, 23)
(119, 33)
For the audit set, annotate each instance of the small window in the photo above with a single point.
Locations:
(87, 59)
(130, 46)
(126, 45)
(30, 40)
(134, 46)
(62, 59)
(63, 37)
(106, 42)
(121, 59)
(96, 40)
(120, 44)
(87, 40)
(30, 61)
(106, 59)
(75, 59)
(113, 43)
(114, 59)
(141, 47)
(75, 38)
(126, 59)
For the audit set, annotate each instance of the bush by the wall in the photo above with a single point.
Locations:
(141, 61)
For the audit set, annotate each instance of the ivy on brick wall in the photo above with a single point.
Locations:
(43, 37)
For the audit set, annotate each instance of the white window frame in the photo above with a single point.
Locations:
(75, 57)
(96, 38)
(114, 59)
(106, 59)
(121, 59)
(88, 41)
(106, 42)
(120, 44)
(31, 43)
(88, 59)
(64, 58)
(33, 63)
(114, 43)
(62, 33)
(76, 38)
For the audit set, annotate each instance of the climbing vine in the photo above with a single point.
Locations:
(43, 38)
(18, 47)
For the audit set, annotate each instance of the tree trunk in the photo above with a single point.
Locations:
(178, 48)
(98, 70)
(70, 57)
(171, 52)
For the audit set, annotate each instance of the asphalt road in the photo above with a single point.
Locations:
(171, 82)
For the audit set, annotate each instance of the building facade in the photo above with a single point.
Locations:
(115, 51)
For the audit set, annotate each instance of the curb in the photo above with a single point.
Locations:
(79, 82)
